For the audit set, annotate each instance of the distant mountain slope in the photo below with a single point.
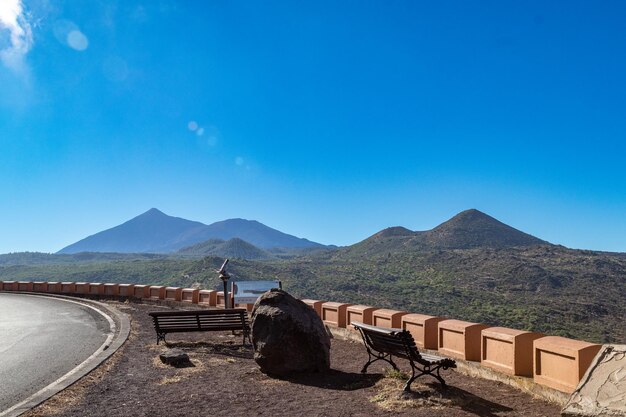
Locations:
(156, 232)
(468, 229)
(152, 232)
(233, 248)
(201, 248)
(257, 234)
(474, 229)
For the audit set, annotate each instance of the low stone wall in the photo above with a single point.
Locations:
(547, 363)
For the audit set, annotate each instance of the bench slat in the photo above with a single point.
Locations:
(200, 312)
(200, 320)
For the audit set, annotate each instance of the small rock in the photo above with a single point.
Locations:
(174, 357)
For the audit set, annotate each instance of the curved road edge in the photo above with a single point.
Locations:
(119, 330)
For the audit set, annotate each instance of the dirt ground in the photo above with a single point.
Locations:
(225, 381)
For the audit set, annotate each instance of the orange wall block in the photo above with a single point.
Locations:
(96, 288)
(248, 307)
(560, 363)
(40, 286)
(360, 313)
(141, 291)
(9, 285)
(388, 318)
(334, 313)
(219, 301)
(111, 289)
(25, 286)
(423, 328)
(460, 339)
(315, 305)
(173, 293)
(81, 288)
(126, 290)
(67, 287)
(54, 286)
(190, 295)
(207, 297)
(157, 292)
(508, 350)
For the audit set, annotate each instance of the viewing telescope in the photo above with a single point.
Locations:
(225, 277)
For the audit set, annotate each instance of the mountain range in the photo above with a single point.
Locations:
(156, 232)
(468, 229)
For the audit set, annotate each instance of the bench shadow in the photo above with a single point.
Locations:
(225, 349)
(462, 399)
(334, 380)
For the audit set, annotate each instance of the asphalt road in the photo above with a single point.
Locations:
(41, 339)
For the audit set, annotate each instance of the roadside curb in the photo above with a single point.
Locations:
(119, 326)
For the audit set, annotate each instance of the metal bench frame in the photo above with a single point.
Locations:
(382, 343)
(200, 321)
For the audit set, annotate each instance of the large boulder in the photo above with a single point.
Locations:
(288, 336)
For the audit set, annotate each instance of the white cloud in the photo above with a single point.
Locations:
(16, 36)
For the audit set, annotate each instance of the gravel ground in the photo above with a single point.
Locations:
(225, 381)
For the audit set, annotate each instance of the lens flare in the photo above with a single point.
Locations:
(77, 40)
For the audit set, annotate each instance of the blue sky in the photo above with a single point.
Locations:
(327, 120)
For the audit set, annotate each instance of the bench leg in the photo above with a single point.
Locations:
(160, 336)
(443, 383)
(378, 356)
(425, 371)
(246, 336)
(386, 358)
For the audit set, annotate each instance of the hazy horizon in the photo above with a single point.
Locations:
(328, 121)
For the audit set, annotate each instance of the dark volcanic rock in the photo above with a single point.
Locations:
(288, 336)
(175, 357)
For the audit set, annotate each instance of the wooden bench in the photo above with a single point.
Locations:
(200, 321)
(382, 343)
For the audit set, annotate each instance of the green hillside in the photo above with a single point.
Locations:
(546, 288)
(232, 248)
(555, 290)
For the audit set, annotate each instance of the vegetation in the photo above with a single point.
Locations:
(555, 290)
(233, 248)
(139, 271)
(38, 258)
